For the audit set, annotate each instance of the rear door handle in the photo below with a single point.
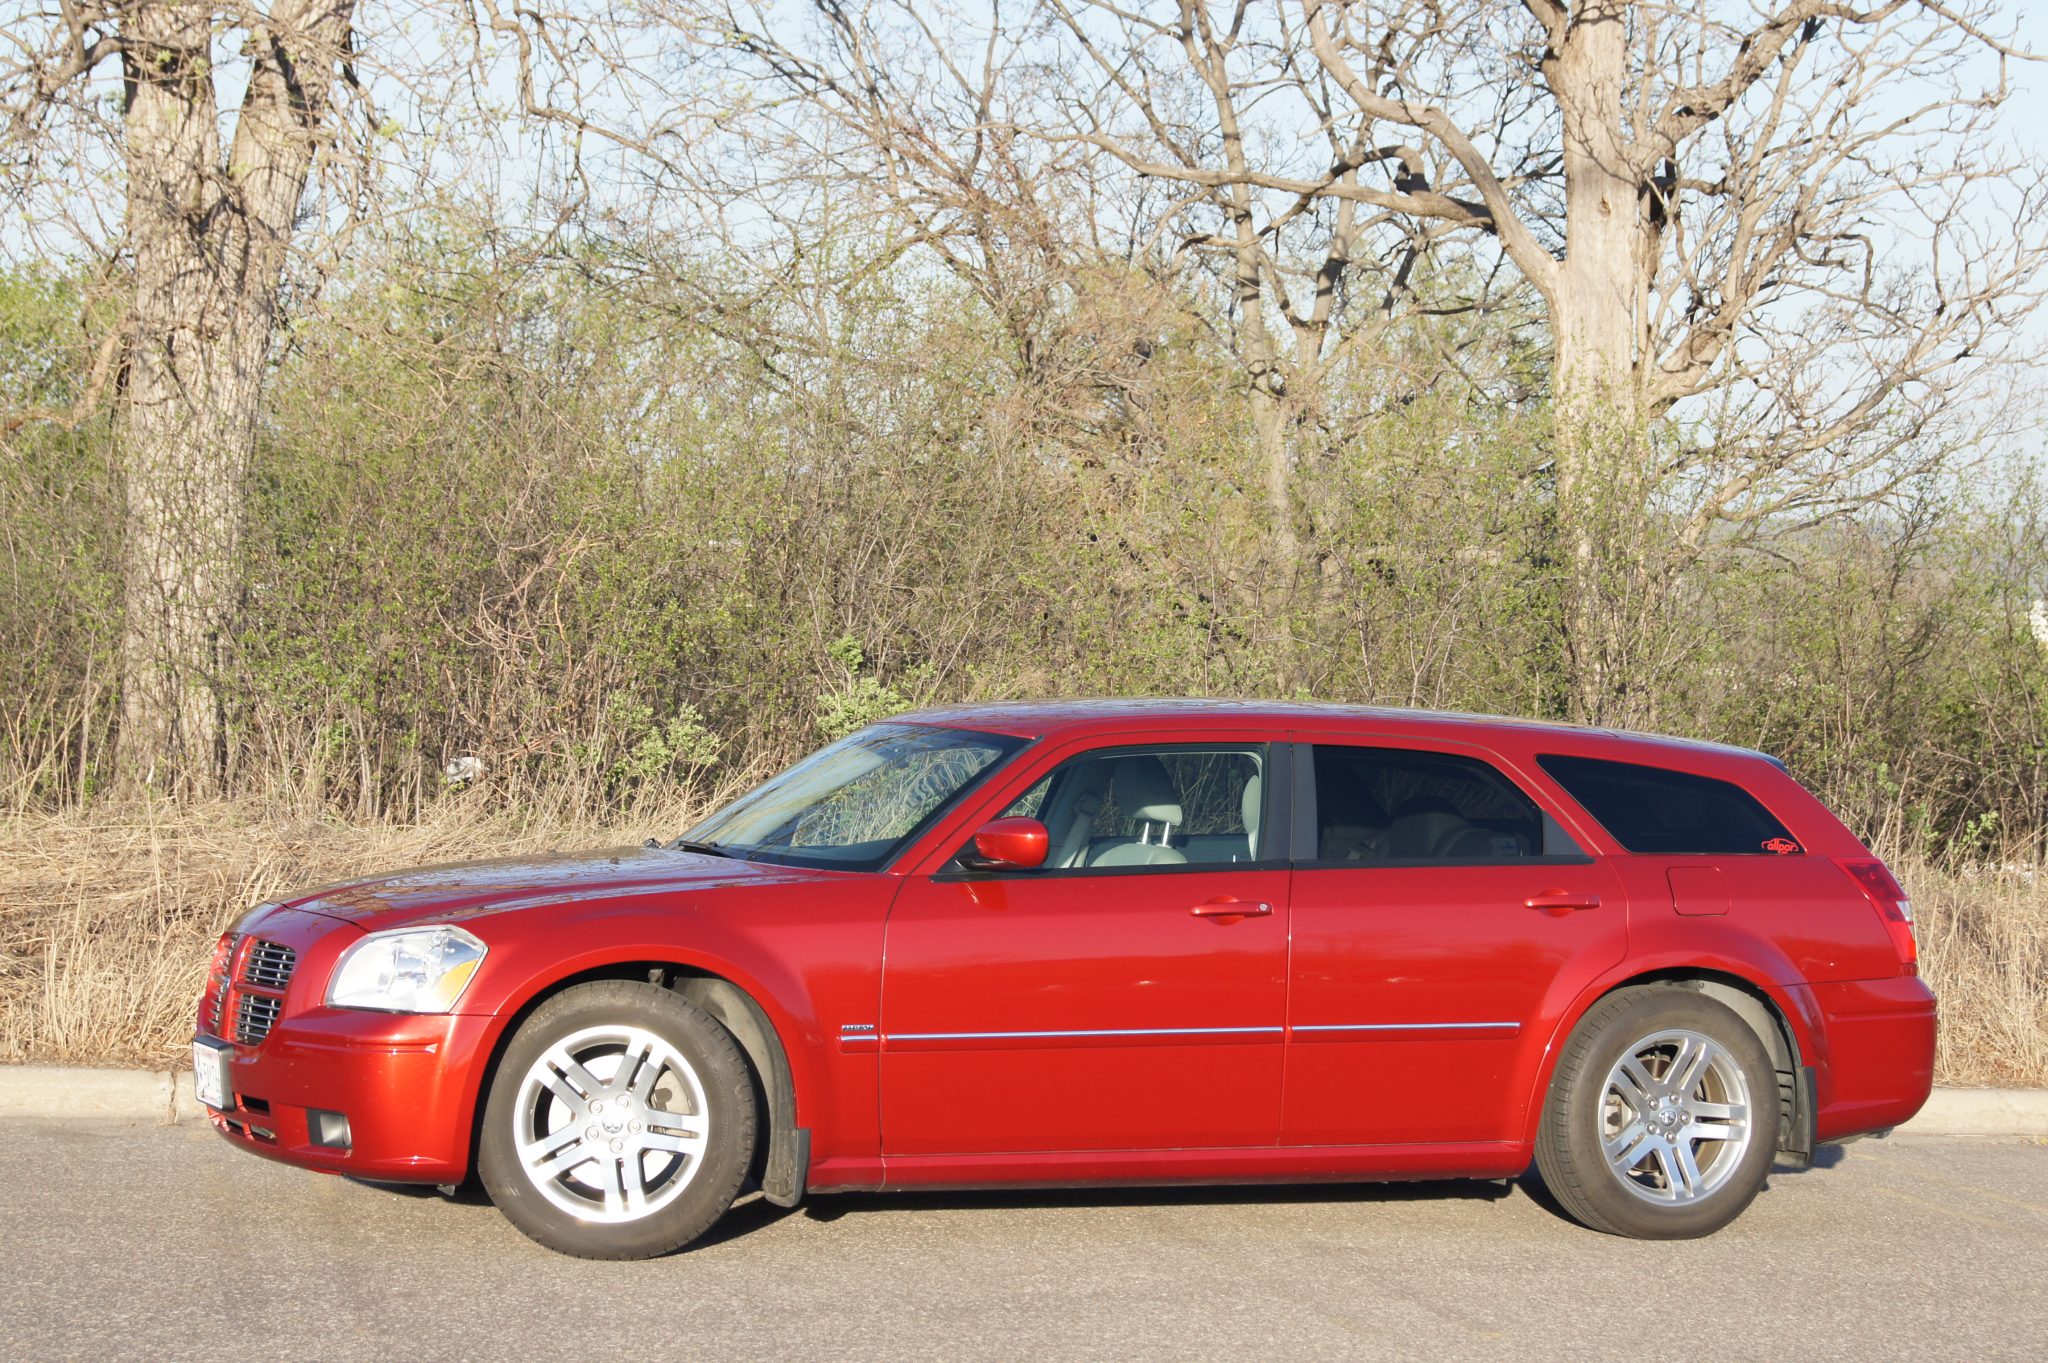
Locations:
(1562, 901)
(1230, 910)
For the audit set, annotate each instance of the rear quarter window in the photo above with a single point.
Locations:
(1654, 810)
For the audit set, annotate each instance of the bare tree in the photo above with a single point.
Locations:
(1789, 219)
(176, 142)
(1264, 177)
(1788, 224)
(1778, 254)
(1029, 146)
(209, 220)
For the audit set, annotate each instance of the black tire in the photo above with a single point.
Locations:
(1581, 1114)
(702, 1183)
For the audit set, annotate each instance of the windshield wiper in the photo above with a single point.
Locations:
(709, 849)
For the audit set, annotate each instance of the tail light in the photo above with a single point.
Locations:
(1877, 881)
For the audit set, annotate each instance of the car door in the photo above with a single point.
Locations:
(1441, 916)
(1131, 995)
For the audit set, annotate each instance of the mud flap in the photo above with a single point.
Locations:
(1799, 1110)
(789, 1166)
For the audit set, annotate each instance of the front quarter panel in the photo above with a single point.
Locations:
(809, 953)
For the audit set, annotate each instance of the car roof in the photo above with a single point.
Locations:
(1083, 717)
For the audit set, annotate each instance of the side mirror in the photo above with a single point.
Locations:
(1008, 845)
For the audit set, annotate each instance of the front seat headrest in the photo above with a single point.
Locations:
(1144, 792)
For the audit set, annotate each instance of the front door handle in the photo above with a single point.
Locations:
(1563, 901)
(1227, 910)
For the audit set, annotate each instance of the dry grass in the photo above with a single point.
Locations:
(1984, 947)
(106, 918)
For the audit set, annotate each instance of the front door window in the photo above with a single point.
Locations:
(1165, 806)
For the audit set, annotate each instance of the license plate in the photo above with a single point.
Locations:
(210, 1072)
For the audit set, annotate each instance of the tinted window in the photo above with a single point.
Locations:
(1164, 806)
(1394, 805)
(1649, 809)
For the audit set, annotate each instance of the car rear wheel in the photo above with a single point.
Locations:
(620, 1122)
(1662, 1120)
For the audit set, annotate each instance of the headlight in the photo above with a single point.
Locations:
(410, 970)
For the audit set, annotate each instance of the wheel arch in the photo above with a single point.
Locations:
(1767, 1015)
(783, 1159)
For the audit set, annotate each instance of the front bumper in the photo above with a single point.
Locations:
(406, 1084)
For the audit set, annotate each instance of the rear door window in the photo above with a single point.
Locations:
(1401, 806)
(1653, 810)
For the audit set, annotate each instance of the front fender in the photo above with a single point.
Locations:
(808, 965)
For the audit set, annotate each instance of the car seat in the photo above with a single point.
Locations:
(1146, 796)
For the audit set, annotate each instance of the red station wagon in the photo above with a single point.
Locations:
(1108, 943)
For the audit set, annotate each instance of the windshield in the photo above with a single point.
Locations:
(853, 804)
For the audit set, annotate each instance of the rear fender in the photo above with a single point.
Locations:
(1785, 1018)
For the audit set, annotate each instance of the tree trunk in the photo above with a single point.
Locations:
(1260, 355)
(1276, 459)
(1594, 320)
(209, 243)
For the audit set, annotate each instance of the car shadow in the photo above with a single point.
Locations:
(833, 1206)
(1824, 1157)
(753, 1212)
(469, 1193)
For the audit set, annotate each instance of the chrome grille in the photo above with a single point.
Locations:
(269, 965)
(256, 1016)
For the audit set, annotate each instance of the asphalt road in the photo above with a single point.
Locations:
(161, 1242)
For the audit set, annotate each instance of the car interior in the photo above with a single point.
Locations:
(1188, 806)
(1389, 805)
(1169, 807)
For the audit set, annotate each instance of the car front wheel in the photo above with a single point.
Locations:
(1662, 1120)
(620, 1122)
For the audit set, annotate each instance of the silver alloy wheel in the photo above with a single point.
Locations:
(1675, 1117)
(611, 1124)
